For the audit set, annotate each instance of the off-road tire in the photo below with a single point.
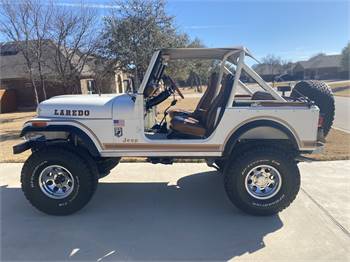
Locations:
(322, 95)
(105, 165)
(85, 179)
(237, 169)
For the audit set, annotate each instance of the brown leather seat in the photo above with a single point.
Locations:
(203, 104)
(203, 128)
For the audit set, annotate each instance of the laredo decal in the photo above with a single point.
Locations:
(68, 112)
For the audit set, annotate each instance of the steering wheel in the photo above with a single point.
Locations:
(173, 85)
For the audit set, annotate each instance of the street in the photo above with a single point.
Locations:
(342, 113)
(180, 212)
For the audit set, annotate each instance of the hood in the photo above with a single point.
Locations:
(78, 106)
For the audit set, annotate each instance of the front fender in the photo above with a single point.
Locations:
(86, 140)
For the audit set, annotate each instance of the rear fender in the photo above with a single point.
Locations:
(264, 130)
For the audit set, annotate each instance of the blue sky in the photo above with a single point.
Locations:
(293, 30)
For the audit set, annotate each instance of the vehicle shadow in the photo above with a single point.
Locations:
(192, 220)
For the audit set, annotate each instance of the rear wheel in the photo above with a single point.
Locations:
(262, 181)
(57, 181)
(322, 95)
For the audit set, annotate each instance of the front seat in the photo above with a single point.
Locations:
(203, 105)
(187, 127)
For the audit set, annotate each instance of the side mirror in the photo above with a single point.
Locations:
(284, 89)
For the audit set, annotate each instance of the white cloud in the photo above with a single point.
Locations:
(97, 6)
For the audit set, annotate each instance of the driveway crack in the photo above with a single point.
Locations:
(333, 219)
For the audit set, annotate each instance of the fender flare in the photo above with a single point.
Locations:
(231, 142)
(89, 144)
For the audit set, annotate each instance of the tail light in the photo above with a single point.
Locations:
(320, 121)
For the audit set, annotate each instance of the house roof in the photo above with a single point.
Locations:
(321, 61)
(13, 63)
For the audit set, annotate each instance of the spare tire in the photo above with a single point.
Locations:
(321, 94)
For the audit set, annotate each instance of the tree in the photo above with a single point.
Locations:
(345, 60)
(199, 69)
(274, 64)
(194, 72)
(134, 31)
(55, 42)
(26, 24)
(75, 35)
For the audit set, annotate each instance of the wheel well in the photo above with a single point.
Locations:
(247, 134)
(74, 136)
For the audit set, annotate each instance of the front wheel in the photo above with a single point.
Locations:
(262, 181)
(57, 181)
(105, 165)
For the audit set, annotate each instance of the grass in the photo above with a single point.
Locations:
(337, 146)
(341, 88)
(344, 93)
(10, 128)
(339, 84)
(188, 104)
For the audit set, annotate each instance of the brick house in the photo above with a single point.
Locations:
(320, 67)
(14, 75)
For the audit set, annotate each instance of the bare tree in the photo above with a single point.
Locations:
(26, 25)
(274, 64)
(75, 36)
(41, 19)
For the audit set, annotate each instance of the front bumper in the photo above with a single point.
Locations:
(34, 142)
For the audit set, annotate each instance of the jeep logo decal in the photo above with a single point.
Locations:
(68, 112)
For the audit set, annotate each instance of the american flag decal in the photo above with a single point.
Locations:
(119, 122)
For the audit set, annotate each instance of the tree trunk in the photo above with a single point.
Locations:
(34, 87)
(137, 80)
(197, 83)
(43, 87)
(42, 81)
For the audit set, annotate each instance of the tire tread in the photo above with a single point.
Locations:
(231, 170)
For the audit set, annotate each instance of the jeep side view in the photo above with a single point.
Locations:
(255, 138)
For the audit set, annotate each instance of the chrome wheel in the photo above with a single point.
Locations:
(263, 182)
(56, 182)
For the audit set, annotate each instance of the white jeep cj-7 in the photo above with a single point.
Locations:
(255, 138)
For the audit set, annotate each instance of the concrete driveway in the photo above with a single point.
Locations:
(179, 212)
